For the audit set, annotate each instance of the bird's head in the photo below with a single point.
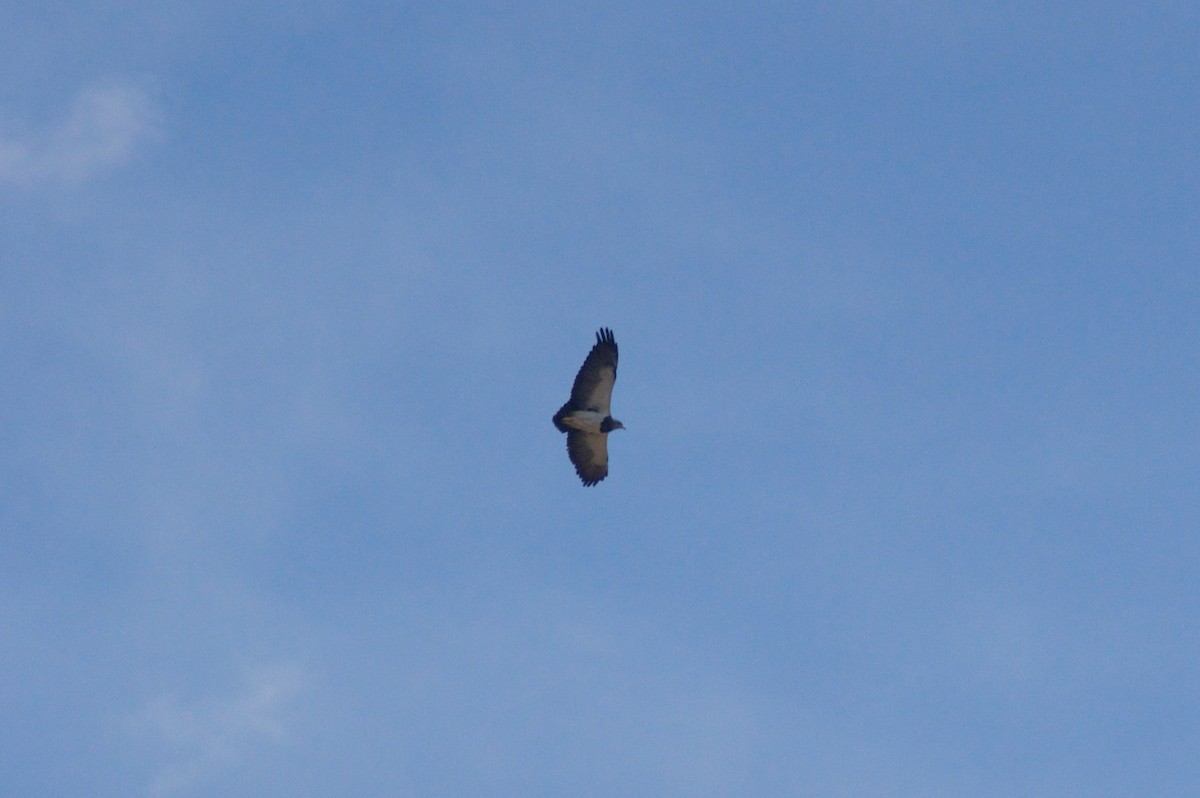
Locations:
(609, 424)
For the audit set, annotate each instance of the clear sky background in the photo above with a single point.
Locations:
(908, 301)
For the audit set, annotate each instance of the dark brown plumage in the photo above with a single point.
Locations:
(585, 417)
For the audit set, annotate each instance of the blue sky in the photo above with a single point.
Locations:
(906, 294)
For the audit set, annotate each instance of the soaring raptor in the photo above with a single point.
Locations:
(585, 417)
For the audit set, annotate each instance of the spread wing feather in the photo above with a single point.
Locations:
(589, 454)
(594, 383)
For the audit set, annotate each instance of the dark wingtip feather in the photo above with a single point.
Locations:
(605, 336)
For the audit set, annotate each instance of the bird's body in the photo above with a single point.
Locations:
(585, 417)
(582, 420)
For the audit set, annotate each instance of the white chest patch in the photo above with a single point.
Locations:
(583, 420)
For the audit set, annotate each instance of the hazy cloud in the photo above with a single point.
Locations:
(101, 130)
(211, 733)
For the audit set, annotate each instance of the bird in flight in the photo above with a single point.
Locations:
(585, 417)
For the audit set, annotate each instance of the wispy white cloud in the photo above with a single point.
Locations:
(216, 732)
(102, 129)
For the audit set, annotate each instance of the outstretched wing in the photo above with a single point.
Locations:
(589, 454)
(594, 382)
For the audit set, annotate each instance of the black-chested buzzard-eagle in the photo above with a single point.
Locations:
(585, 417)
